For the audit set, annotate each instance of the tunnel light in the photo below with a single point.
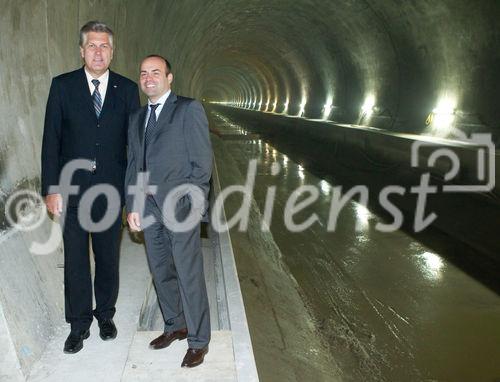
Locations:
(285, 161)
(285, 110)
(443, 114)
(325, 187)
(327, 109)
(260, 105)
(368, 106)
(267, 106)
(302, 108)
(300, 171)
(274, 106)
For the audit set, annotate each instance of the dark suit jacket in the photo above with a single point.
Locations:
(179, 151)
(72, 130)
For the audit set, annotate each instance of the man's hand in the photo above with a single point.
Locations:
(54, 203)
(134, 221)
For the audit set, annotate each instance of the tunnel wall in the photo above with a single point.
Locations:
(420, 66)
(369, 149)
(39, 41)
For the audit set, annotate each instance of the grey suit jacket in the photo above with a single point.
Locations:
(179, 151)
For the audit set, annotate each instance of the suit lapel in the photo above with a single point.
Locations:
(83, 93)
(165, 115)
(142, 124)
(166, 112)
(109, 100)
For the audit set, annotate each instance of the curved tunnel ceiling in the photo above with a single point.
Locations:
(383, 63)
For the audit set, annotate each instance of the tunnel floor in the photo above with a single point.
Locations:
(128, 358)
(386, 306)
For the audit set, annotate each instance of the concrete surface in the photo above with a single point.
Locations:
(378, 158)
(385, 306)
(128, 358)
(31, 293)
(99, 360)
(286, 341)
(151, 318)
(164, 365)
(10, 370)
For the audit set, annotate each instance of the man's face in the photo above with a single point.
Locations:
(154, 79)
(97, 53)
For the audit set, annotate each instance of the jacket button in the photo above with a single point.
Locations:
(98, 125)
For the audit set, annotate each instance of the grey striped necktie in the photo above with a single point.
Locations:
(96, 98)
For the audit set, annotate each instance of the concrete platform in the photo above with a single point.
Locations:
(144, 364)
(99, 360)
(128, 358)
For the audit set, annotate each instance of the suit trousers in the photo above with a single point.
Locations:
(77, 274)
(176, 263)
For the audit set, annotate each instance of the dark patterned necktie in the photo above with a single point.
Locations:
(96, 98)
(150, 128)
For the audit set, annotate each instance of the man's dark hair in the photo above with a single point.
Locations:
(169, 67)
(95, 26)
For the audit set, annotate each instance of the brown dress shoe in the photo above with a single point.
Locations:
(194, 357)
(167, 338)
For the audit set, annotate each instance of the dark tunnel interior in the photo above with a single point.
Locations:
(387, 64)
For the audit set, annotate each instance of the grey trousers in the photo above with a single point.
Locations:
(176, 263)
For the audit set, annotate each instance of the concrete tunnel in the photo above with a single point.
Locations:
(341, 89)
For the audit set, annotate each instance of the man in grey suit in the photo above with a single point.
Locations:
(169, 140)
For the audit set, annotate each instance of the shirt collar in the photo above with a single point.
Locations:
(161, 100)
(102, 79)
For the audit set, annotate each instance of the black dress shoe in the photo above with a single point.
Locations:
(74, 342)
(107, 330)
(194, 357)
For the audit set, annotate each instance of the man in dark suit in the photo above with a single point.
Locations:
(86, 118)
(169, 140)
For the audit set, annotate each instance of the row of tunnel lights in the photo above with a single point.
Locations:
(442, 116)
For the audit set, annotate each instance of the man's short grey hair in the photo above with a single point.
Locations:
(95, 26)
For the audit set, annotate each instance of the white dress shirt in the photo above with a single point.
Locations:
(103, 83)
(161, 101)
